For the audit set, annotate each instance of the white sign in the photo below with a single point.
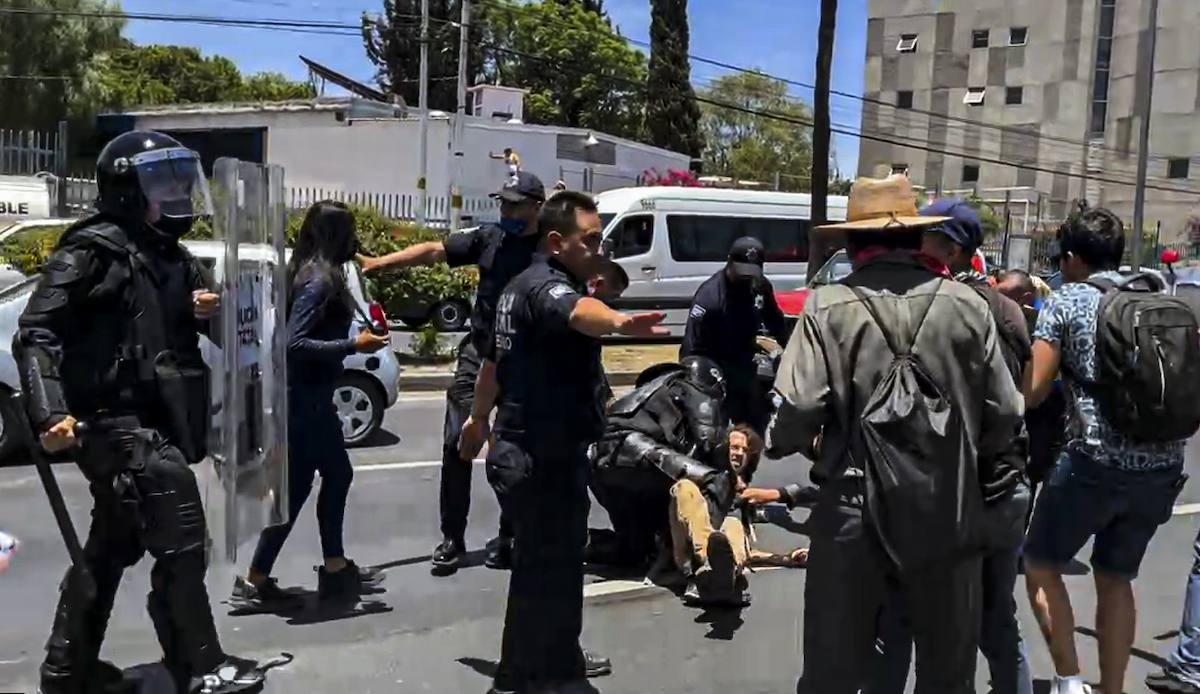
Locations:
(24, 197)
(249, 317)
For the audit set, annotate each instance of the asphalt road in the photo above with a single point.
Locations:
(441, 635)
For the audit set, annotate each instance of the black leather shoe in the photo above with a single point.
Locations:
(596, 666)
(499, 556)
(447, 557)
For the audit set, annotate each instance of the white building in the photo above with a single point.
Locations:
(357, 146)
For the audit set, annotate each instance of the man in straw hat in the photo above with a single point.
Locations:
(894, 385)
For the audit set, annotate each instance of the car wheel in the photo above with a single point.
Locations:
(359, 403)
(414, 322)
(450, 316)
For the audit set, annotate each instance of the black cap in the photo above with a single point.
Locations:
(746, 257)
(522, 186)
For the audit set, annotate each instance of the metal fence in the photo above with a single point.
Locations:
(401, 206)
(29, 152)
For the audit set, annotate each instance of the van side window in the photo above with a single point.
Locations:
(707, 238)
(633, 236)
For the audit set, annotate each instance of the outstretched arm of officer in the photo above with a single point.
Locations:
(673, 464)
(460, 249)
(50, 320)
(595, 319)
(804, 389)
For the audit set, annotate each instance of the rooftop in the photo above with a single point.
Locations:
(335, 103)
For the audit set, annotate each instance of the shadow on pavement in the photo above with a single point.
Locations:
(487, 668)
(1135, 652)
(309, 608)
(382, 438)
(723, 622)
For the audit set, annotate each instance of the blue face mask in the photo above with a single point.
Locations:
(512, 225)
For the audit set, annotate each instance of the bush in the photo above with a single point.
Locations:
(378, 235)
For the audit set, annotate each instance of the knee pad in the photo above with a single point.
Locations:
(171, 508)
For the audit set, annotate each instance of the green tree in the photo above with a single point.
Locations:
(748, 146)
(151, 75)
(47, 60)
(579, 70)
(393, 44)
(672, 115)
(596, 6)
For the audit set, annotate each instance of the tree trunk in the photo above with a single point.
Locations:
(820, 140)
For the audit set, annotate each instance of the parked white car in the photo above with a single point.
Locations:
(370, 384)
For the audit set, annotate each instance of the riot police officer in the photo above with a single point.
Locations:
(109, 341)
(551, 408)
(665, 430)
(723, 323)
(501, 251)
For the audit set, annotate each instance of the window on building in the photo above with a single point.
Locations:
(1017, 36)
(974, 96)
(979, 38)
(904, 99)
(1100, 73)
(633, 236)
(907, 44)
(970, 173)
(1178, 168)
(900, 169)
(1014, 96)
(707, 238)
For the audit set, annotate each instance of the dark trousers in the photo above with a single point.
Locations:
(454, 498)
(636, 500)
(849, 582)
(315, 445)
(1000, 635)
(546, 495)
(145, 500)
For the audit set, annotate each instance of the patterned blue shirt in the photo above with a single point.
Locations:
(1069, 320)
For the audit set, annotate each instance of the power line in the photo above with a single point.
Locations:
(345, 29)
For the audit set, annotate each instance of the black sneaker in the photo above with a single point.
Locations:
(447, 557)
(267, 596)
(234, 675)
(1164, 682)
(499, 555)
(596, 666)
(350, 581)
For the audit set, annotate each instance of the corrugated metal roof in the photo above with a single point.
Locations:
(297, 105)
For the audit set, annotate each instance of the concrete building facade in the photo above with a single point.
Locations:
(1038, 95)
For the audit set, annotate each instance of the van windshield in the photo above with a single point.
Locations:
(606, 219)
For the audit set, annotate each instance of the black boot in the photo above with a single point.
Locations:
(499, 554)
(447, 557)
(234, 674)
(596, 666)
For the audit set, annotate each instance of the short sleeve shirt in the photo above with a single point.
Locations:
(500, 257)
(1068, 319)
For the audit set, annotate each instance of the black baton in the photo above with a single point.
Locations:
(50, 483)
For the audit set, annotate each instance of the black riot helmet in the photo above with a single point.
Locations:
(148, 177)
(705, 375)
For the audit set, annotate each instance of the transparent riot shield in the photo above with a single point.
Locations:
(245, 478)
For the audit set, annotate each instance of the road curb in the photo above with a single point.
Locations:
(443, 381)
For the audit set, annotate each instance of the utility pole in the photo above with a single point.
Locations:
(460, 119)
(423, 101)
(1143, 160)
(819, 180)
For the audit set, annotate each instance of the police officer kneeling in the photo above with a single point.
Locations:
(551, 408)
(109, 339)
(659, 464)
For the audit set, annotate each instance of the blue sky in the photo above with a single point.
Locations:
(778, 38)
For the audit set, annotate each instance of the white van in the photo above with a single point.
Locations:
(670, 239)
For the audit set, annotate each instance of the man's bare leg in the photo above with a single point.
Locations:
(1116, 623)
(1051, 604)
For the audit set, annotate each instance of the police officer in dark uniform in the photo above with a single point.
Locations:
(724, 321)
(551, 384)
(669, 428)
(501, 251)
(108, 347)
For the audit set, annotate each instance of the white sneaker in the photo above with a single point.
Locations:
(1069, 685)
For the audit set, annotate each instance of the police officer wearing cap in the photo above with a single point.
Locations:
(501, 250)
(551, 409)
(723, 325)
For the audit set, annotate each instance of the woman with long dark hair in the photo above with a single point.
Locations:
(320, 311)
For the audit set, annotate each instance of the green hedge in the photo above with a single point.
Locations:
(379, 236)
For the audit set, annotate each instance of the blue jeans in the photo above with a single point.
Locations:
(1184, 663)
(1000, 633)
(1122, 509)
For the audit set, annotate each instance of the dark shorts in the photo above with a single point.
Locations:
(1122, 509)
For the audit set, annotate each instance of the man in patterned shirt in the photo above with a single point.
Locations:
(1104, 485)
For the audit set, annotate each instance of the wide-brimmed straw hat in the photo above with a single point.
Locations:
(878, 204)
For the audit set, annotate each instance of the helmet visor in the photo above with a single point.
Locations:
(173, 182)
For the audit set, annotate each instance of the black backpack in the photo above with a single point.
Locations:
(923, 495)
(1147, 361)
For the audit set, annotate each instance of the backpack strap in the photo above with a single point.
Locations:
(892, 344)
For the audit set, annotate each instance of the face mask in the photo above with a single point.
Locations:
(512, 225)
(173, 227)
